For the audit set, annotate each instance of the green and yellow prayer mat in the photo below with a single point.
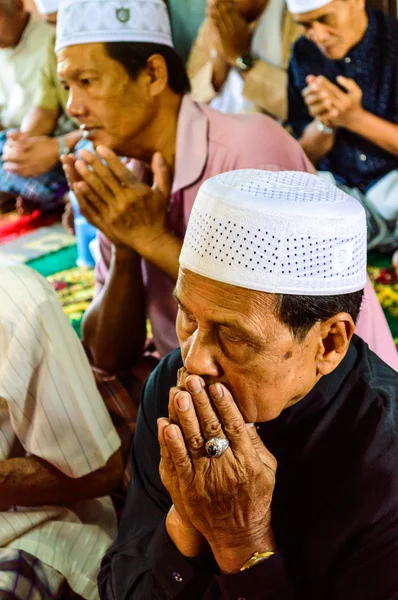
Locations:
(385, 282)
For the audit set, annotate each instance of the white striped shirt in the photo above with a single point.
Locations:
(50, 408)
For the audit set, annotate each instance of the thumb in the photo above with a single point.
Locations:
(348, 84)
(264, 455)
(161, 175)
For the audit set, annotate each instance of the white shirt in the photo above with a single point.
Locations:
(50, 408)
(266, 44)
(20, 69)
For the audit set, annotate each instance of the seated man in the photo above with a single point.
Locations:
(127, 89)
(59, 456)
(343, 104)
(31, 168)
(239, 60)
(276, 425)
(23, 41)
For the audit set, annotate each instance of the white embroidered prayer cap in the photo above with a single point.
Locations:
(92, 21)
(303, 6)
(46, 7)
(283, 233)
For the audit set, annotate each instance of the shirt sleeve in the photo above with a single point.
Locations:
(46, 95)
(266, 86)
(298, 115)
(55, 408)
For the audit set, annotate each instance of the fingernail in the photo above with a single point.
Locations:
(195, 385)
(217, 391)
(172, 432)
(182, 402)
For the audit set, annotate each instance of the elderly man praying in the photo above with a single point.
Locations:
(274, 424)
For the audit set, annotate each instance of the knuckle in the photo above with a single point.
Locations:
(194, 442)
(212, 428)
(235, 427)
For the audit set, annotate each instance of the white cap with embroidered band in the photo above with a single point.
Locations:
(283, 233)
(93, 21)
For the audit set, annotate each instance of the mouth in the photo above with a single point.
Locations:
(89, 132)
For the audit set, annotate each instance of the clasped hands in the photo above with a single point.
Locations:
(129, 212)
(331, 105)
(223, 502)
(230, 32)
(29, 156)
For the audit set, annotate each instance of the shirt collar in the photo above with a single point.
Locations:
(313, 403)
(369, 39)
(192, 145)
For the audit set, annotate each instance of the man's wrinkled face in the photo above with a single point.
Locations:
(231, 334)
(111, 107)
(334, 28)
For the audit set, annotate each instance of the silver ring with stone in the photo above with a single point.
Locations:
(215, 447)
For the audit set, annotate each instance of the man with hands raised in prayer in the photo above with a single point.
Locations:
(265, 458)
(128, 90)
(343, 104)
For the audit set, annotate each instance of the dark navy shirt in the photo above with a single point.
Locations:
(373, 65)
(334, 508)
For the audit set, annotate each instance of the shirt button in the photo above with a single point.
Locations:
(362, 157)
(347, 60)
(177, 577)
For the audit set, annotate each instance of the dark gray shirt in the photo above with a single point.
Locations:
(334, 509)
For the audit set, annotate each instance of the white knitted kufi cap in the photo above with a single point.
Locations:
(284, 233)
(303, 6)
(92, 21)
(45, 7)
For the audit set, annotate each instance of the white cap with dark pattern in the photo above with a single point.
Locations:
(283, 233)
(303, 6)
(45, 7)
(93, 21)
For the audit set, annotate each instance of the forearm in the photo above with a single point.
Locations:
(114, 327)
(164, 254)
(40, 121)
(316, 144)
(31, 481)
(377, 130)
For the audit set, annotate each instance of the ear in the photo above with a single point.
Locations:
(156, 70)
(335, 337)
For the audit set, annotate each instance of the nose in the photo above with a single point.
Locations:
(317, 33)
(199, 355)
(76, 107)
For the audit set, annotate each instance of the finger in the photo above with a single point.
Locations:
(164, 450)
(116, 166)
(207, 416)
(334, 92)
(101, 171)
(101, 191)
(231, 419)
(348, 84)
(173, 415)
(320, 109)
(178, 452)
(265, 456)
(161, 175)
(189, 424)
(88, 204)
(316, 98)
